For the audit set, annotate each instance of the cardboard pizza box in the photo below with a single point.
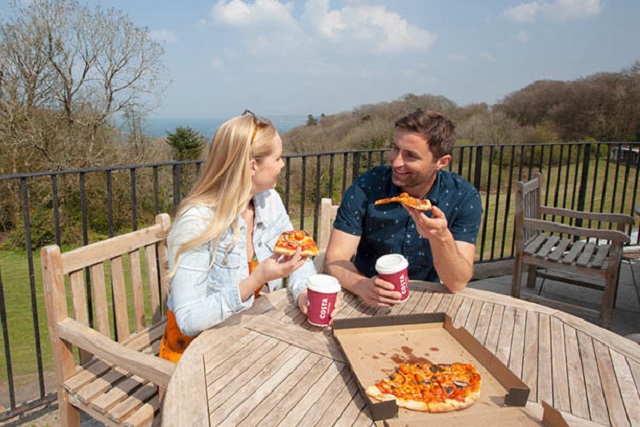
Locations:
(374, 346)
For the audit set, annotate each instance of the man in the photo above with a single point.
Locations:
(439, 245)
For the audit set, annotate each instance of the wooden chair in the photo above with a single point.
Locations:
(327, 215)
(571, 254)
(116, 375)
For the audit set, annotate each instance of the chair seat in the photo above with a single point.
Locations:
(114, 396)
(580, 253)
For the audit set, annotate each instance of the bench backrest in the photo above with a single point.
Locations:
(115, 286)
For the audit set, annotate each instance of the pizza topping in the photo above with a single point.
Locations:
(430, 387)
(289, 241)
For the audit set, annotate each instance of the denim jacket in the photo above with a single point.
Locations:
(204, 290)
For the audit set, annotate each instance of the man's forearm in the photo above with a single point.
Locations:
(345, 272)
(454, 268)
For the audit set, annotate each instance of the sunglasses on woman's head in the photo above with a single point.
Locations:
(259, 121)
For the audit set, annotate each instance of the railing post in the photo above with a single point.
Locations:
(582, 191)
(477, 175)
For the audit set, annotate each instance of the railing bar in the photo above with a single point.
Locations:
(344, 172)
(110, 203)
(317, 196)
(303, 191)
(134, 200)
(626, 180)
(615, 180)
(7, 347)
(287, 172)
(85, 240)
(485, 220)
(331, 172)
(532, 155)
(548, 175)
(26, 216)
(605, 180)
(56, 208)
(156, 191)
(595, 179)
(177, 184)
(497, 202)
(508, 206)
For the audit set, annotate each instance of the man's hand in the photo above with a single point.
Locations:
(430, 228)
(377, 292)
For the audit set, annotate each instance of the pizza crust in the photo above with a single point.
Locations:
(289, 252)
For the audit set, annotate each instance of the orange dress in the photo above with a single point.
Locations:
(174, 342)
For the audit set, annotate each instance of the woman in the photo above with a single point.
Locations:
(221, 243)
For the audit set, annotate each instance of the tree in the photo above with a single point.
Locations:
(69, 71)
(311, 121)
(186, 143)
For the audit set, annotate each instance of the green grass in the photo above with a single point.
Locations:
(20, 323)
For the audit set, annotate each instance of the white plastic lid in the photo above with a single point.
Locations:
(392, 263)
(323, 283)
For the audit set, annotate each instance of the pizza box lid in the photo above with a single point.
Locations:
(374, 346)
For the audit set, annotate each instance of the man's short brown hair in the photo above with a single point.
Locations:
(439, 130)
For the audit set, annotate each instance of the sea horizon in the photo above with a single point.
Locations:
(159, 126)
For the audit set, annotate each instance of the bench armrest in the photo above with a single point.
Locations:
(147, 366)
(621, 219)
(550, 226)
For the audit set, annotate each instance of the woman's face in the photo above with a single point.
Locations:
(265, 171)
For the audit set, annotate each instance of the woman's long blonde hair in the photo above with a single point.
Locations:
(224, 183)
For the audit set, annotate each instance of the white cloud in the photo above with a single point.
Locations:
(522, 36)
(216, 63)
(356, 27)
(525, 12)
(555, 10)
(240, 14)
(457, 57)
(365, 28)
(163, 36)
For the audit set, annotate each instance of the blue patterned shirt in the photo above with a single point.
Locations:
(389, 228)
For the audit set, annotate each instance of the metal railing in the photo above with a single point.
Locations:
(76, 207)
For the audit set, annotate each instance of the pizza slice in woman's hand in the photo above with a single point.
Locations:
(289, 241)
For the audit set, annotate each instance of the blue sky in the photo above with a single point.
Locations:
(302, 57)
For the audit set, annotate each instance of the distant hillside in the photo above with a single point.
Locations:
(367, 126)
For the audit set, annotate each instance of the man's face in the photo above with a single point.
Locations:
(414, 166)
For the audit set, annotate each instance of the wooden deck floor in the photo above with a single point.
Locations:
(626, 314)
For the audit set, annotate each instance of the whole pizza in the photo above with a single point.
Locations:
(430, 387)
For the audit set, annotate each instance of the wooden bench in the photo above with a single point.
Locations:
(588, 255)
(115, 289)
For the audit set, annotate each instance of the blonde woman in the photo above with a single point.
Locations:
(221, 242)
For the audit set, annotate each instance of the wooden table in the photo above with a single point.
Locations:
(267, 366)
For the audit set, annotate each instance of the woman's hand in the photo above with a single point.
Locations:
(303, 305)
(279, 266)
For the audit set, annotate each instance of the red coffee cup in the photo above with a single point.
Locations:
(322, 291)
(393, 269)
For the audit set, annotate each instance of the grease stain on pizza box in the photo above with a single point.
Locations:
(374, 346)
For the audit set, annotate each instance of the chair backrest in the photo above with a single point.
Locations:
(328, 213)
(527, 201)
(116, 282)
